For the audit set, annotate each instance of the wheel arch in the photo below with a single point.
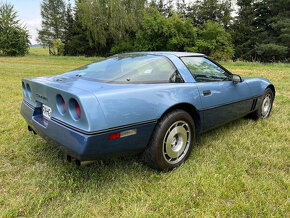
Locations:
(190, 109)
(272, 88)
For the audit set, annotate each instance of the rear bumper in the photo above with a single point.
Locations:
(87, 146)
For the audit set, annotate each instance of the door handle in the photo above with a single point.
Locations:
(206, 92)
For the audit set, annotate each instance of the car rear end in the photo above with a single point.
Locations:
(60, 111)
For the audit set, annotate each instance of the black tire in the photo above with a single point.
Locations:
(260, 113)
(179, 126)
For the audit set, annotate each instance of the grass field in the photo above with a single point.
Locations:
(240, 169)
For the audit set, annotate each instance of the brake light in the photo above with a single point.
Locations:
(78, 109)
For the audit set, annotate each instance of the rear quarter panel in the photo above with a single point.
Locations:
(139, 102)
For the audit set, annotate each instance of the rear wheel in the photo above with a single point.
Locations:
(265, 107)
(171, 142)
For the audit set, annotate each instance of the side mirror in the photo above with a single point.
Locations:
(236, 79)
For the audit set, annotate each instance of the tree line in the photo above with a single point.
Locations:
(257, 30)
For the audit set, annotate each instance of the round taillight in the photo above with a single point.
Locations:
(74, 109)
(78, 109)
(23, 89)
(61, 105)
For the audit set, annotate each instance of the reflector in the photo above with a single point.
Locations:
(114, 136)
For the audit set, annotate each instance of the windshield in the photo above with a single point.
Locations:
(131, 68)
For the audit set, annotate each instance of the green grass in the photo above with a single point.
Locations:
(240, 169)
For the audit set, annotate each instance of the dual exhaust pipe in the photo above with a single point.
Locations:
(31, 130)
(78, 163)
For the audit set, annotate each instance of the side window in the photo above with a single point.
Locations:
(203, 70)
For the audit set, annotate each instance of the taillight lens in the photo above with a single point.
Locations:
(74, 109)
(78, 109)
(61, 105)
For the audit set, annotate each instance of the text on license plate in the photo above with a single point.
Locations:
(46, 112)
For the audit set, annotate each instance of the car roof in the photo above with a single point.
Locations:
(178, 54)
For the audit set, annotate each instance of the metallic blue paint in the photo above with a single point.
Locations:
(83, 146)
(105, 106)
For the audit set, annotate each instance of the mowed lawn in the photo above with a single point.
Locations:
(240, 169)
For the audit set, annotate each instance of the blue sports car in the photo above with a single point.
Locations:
(152, 103)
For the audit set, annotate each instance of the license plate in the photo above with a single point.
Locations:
(46, 112)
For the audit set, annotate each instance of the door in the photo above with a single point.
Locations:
(222, 100)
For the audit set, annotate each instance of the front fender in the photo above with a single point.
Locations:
(257, 85)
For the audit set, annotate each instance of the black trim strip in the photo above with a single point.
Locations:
(216, 106)
(103, 130)
(28, 105)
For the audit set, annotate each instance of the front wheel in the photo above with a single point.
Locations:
(171, 142)
(265, 107)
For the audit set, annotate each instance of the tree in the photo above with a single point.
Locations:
(53, 16)
(272, 25)
(214, 41)
(109, 22)
(14, 38)
(262, 30)
(242, 31)
(76, 40)
(164, 7)
(202, 11)
(158, 32)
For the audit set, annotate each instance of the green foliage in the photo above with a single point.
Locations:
(104, 27)
(243, 29)
(213, 41)
(122, 47)
(14, 38)
(271, 52)
(202, 11)
(52, 27)
(116, 21)
(262, 30)
(58, 47)
(164, 7)
(158, 33)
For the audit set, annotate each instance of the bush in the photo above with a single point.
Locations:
(213, 41)
(58, 47)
